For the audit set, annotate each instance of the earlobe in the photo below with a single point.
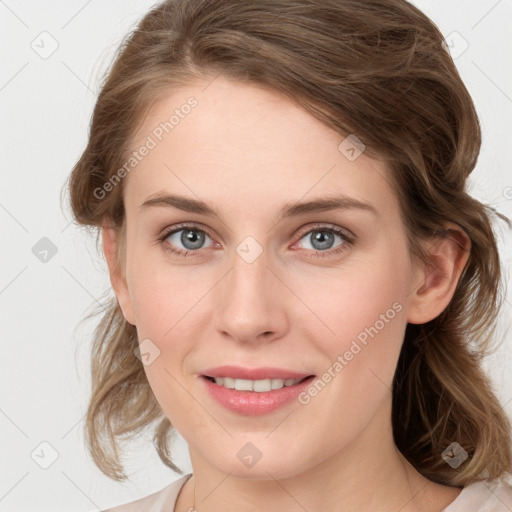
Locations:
(436, 282)
(110, 238)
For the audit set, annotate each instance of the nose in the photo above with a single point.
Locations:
(251, 303)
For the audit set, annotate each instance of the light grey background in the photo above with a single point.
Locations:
(46, 102)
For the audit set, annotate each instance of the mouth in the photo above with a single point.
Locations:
(256, 386)
(254, 391)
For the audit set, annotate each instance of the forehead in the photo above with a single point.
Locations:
(225, 140)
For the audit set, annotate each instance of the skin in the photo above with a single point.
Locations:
(247, 151)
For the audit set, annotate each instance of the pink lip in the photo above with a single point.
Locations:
(237, 372)
(252, 403)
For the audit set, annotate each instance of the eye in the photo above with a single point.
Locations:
(187, 239)
(184, 239)
(322, 239)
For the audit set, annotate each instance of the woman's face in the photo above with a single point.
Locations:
(317, 291)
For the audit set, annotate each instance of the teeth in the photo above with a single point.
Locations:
(260, 386)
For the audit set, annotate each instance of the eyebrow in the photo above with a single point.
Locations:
(190, 205)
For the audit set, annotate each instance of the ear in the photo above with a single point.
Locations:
(110, 238)
(435, 283)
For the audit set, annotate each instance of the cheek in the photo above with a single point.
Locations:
(166, 301)
(365, 311)
(357, 376)
(163, 295)
(363, 293)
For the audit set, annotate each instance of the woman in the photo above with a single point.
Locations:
(304, 289)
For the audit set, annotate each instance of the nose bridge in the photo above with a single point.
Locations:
(248, 277)
(249, 302)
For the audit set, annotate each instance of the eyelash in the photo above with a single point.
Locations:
(348, 240)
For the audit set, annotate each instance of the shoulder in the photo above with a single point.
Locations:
(485, 495)
(160, 501)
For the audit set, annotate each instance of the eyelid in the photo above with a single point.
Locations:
(178, 227)
(328, 227)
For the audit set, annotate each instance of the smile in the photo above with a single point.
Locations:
(254, 397)
(258, 386)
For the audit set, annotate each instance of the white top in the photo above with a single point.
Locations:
(484, 496)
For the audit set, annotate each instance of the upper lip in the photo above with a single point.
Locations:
(237, 372)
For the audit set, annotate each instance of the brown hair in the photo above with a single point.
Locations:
(375, 68)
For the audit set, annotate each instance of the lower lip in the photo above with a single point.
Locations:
(253, 403)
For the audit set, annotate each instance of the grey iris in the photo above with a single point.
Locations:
(194, 238)
(324, 239)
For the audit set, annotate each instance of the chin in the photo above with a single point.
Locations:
(274, 466)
